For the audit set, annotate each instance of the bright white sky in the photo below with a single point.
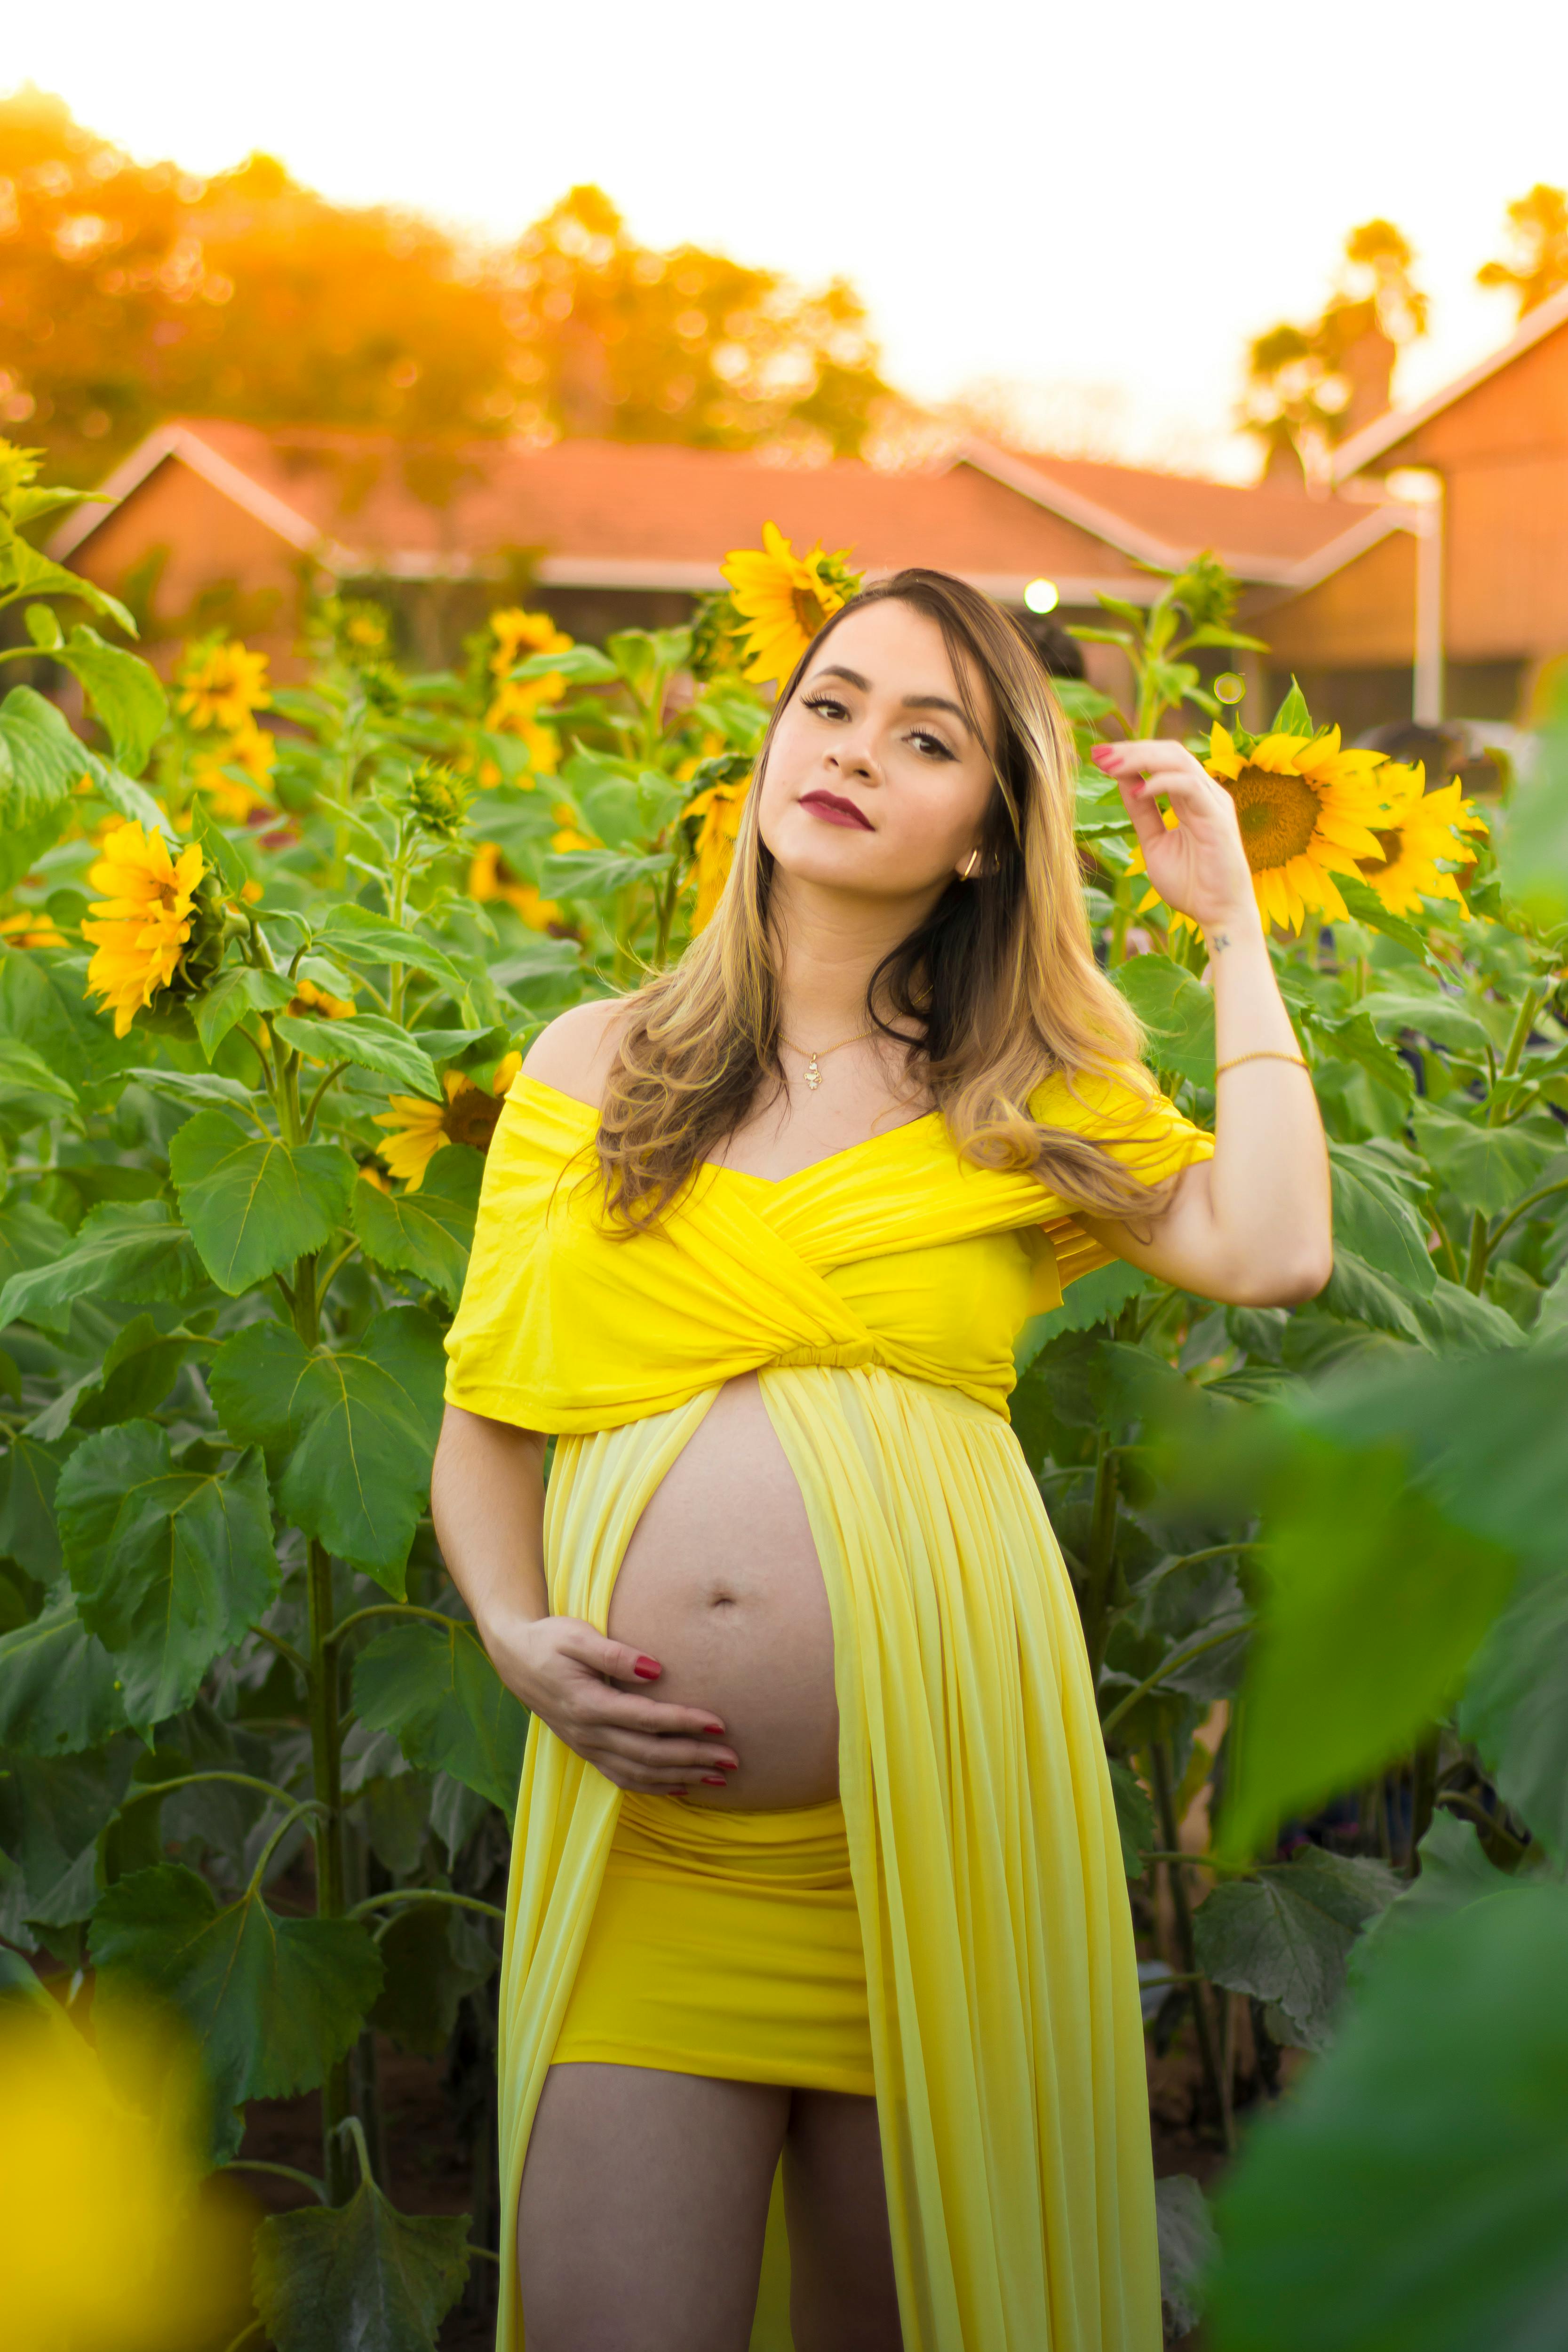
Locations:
(1102, 199)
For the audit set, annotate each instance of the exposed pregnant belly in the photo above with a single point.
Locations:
(721, 1583)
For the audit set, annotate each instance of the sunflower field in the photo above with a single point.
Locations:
(270, 958)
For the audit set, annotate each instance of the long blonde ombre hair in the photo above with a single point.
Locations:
(999, 983)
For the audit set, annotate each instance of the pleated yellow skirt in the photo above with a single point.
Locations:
(1001, 1987)
(725, 1944)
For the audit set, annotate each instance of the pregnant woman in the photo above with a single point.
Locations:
(815, 1857)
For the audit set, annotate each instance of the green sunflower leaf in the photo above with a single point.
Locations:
(1374, 1603)
(1177, 1010)
(359, 1425)
(432, 1957)
(1374, 1217)
(1439, 2118)
(584, 664)
(1292, 717)
(238, 990)
(428, 1233)
(361, 937)
(596, 873)
(168, 1566)
(59, 1692)
(274, 2002)
(126, 694)
(1515, 1708)
(1488, 1168)
(373, 1044)
(127, 1251)
(339, 2276)
(28, 1475)
(255, 1203)
(433, 1687)
(1285, 1936)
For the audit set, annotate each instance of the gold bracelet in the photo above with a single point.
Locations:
(1264, 1054)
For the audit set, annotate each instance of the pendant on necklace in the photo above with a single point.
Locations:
(813, 1074)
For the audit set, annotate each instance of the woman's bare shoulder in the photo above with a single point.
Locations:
(574, 1054)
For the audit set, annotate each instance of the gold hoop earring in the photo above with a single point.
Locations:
(966, 871)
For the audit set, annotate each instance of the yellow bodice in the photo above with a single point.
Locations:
(895, 1253)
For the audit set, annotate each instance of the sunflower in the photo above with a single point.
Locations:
(785, 598)
(570, 837)
(516, 702)
(513, 710)
(308, 999)
(142, 927)
(520, 634)
(220, 682)
(490, 877)
(721, 808)
(250, 748)
(1307, 810)
(419, 1128)
(1413, 829)
(30, 928)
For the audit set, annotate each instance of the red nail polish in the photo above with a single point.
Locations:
(714, 1730)
(715, 1779)
(649, 1669)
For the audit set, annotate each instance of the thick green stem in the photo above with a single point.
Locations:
(1169, 1666)
(326, 1770)
(1182, 1909)
(1102, 1563)
(1481, 1250)
(1423, 1796)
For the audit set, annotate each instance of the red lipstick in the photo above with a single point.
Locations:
(834, 811)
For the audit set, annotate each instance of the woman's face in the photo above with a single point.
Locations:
(876, 784)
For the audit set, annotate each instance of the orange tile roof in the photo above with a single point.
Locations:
(627, 514)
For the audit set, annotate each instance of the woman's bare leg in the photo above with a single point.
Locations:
(644, 2205)
(842, 2295)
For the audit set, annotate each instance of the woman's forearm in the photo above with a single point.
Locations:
(1252, 1226)
(487, 1500)
(1268, 1205)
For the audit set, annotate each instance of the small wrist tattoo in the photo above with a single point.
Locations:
(1218, 942)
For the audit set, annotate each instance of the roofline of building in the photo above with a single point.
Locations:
(1304, 572)
(177, 440)
(1385, 433)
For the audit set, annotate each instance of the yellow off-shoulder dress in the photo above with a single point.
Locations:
(878, 1294)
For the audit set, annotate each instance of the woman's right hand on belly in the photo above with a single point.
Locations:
(574, 1679)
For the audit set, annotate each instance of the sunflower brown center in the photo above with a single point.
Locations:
(1389, 842)
(471, 1118)
(808, 612)
(1279, 816)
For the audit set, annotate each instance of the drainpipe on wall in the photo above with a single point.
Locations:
(1422, 491)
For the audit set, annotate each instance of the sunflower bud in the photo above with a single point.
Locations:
(438, 799)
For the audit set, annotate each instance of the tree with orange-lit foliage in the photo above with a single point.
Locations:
(132, 292)
(1538, 232)
(612, 338)
(1302, 381)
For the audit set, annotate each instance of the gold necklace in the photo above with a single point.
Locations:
(813, 1074)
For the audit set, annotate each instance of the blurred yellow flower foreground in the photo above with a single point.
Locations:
(110, 2243)
(140, 926)
(420, 1129)
(785, 598)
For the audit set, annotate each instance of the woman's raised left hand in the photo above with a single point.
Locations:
(1198, 865)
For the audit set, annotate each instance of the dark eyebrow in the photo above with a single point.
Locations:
(910, 702)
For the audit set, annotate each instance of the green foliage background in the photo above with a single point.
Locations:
(253, 1758)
